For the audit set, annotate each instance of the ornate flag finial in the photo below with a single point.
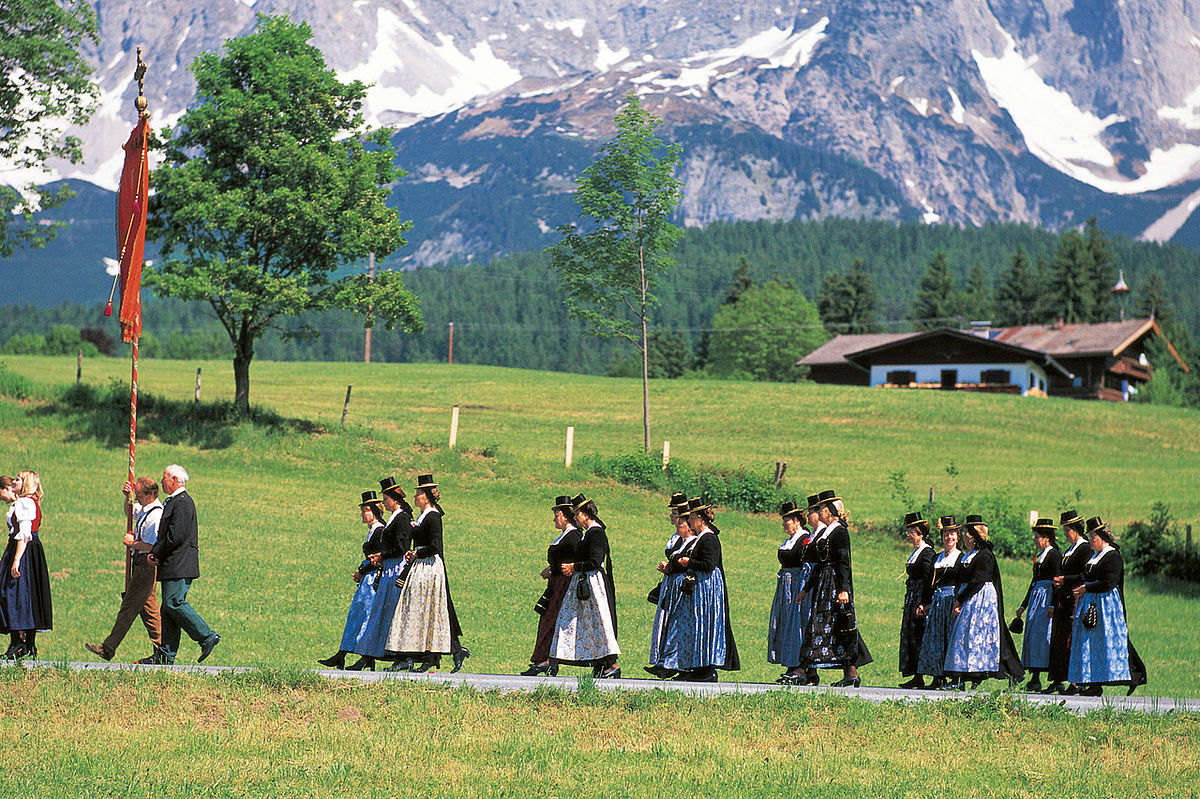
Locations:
(139, 73)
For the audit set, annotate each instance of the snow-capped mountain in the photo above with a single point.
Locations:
(967, 111)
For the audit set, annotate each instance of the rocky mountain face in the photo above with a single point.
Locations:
(963, 111)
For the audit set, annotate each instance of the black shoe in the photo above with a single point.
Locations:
(938, 682)
(848, 682)
(1132, 687)
(459, 657)
(364, 662)
(611, 674)
(535, 669)
(787, 679)
(1033, 686)
(337, 661)
(811, 677)
(207, 647)
(916, 683)
(424, 666)
(1070, 690)
(975, 684)
(10, 653)
(1091, 690)
(661, 672)
(404, 664)
(954, 686)
(1053, 688)
(553, 669)
(155, 658)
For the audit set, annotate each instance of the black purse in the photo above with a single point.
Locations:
(583, 591)
(654, 594)
(844, 622)
(543, 604)
(1017, 625)
(689, 584)
(1091, 617)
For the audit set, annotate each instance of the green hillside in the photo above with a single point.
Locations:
(278, 512)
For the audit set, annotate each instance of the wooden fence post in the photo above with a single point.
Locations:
(570, 445)
(453, 426)
(196, 401)
(666, 454)
(1189, 539)
(931, 496)
(79, 367)
(346, 406)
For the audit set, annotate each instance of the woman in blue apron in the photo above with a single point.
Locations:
(665, 595)
(371, 511)
(939, 615)
(785, 627)
(1038, 604)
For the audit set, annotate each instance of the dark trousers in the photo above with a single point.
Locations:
(138, 599)
(178, 615)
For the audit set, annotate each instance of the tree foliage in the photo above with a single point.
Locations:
(848, 303)
(44, 84)
(938, 296)
(764, 333)
(272, 184)
(607, 272)
(1019, 293)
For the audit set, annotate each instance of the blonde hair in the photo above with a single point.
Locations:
(31, 484)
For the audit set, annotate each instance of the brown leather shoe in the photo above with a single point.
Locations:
(97, 649)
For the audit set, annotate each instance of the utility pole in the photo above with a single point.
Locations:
(367, 343)
(450, 349)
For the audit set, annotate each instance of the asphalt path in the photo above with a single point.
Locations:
(505, 683)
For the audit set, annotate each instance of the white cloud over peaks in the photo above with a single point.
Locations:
(1066, 137)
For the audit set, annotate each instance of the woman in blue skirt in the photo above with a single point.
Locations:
(918, 594)
(371, 511)
(939, 615)
(785, 628)
(1101, 653)
(980, 646)
(666, 594)
(394, 541)
(1039, 602)
(698, 639)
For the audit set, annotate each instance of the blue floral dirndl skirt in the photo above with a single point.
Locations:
(360, 611)
(975, 640)
(789, 616)
(1101, 654)
(373, 640)
(695, 633)
(939, 624)
(1035, 646)
(668, 602)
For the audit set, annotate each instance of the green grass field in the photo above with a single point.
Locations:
(280, 536)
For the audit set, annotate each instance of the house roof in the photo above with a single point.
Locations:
(834, 351)
(1100, 338)
(1003, 348)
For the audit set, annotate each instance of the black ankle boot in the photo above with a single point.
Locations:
(337, 661)
(365, 662)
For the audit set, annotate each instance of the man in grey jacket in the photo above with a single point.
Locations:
(176, 553)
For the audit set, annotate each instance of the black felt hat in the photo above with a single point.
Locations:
(389, 484)
(973, 520)
(425, 481)
(790, 509)
(813, 500)
(578, 501)
(678, 499)
(1096, 526)
(827, 496)
(915, 519)
(370, 498)
(562, 503)
(1069, 517)
(695, 505)
(1045, 526)
(947, 523)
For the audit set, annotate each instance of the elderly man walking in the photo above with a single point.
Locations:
(176, 553)
(141, 500)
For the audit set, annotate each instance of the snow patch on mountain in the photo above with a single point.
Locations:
(1067, 137)
(575, 26)
(1187, 114)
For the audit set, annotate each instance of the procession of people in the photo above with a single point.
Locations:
(951, 625)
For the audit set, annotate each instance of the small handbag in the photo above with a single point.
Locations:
(583, 591)
(688, 585)
(542, 605)
(652, 597)
(1091, 617)
(844, 621)
(1017, 625)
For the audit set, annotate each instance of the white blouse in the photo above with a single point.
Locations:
(20, 518)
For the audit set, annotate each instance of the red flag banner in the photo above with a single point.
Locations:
(131, 228)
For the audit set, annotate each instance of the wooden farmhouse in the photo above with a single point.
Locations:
(1085, 361)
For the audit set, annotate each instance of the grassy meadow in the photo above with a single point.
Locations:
(280, 531)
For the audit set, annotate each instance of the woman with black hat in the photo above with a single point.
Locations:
(1039, 600)
(785, 627)
(371, 512)
(698, 639)
(666, 594)
(1101, 652)
(918, 594)
(585, 633)
(939, 615)
(389, 564)
(425, 626)
(980, 646)
(561, 551)
(832, 639)
(1069, 577)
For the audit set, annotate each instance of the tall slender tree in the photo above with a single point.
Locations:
(1071, 281)
(937, 298)
(978, 303)
(1103, 269)
(1018, 292)
(847, 303)
(607, 272)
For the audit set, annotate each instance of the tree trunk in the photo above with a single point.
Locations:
(243, 353)
(645, 367)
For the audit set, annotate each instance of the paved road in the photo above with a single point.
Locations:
(506, 683)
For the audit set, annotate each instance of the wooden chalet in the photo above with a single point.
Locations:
(1084, 361)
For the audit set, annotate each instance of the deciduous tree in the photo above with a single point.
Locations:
(273, 184)
(764, 333)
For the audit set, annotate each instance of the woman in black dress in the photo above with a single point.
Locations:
(1039, 600)
(561, 551)
(918, 594)
(939, 615)
(1069, 577)
(25, 604)
(585, 633)
(832, 639)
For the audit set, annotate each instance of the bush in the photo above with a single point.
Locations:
(1157, 548)
(27, 344)
(729, 488)
(14, 386)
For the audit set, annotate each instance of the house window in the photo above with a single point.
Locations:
(901, 377)
(995, 376)
(1032, 380)
(949, 378)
